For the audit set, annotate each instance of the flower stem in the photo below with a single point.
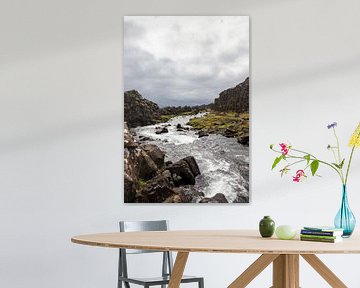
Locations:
(338, 146)
(296, 162)
(348, 168)
(339, 156)
(304, 152)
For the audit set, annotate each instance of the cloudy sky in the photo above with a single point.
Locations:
(185, 60)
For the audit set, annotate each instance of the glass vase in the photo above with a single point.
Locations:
(345, 219)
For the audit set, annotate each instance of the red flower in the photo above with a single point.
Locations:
(284, 148)
(300, 174)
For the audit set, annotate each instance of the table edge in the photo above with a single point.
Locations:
(203, 250)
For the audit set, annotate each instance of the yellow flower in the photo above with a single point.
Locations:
(355, 137)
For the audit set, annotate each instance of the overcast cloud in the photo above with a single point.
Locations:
(185, 60)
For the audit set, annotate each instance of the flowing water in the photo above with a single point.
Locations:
(224, 163)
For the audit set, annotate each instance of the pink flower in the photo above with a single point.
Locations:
(284, 148)
(300, 174)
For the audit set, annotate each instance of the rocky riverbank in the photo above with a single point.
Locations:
(149, 179)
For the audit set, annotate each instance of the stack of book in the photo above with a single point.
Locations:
(321, 234)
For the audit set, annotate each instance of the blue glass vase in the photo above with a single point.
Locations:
(345, 219)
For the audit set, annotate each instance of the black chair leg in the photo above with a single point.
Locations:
(201, 283)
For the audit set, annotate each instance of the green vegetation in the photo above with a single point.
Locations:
(219, 122)
(165, 118)
(192, 112)
(142, 183)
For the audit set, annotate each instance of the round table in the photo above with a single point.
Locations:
(284, 254)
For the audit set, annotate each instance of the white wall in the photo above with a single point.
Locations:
(61, 133)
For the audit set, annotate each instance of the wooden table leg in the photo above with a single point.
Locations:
(286, 271)
(324, 271)
(178, 269)
(253, 270)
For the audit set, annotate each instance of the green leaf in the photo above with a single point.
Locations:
(336, 165)
(342, 163)
(307, 157)
(339, 166)
(314, 166)
(271, 146)
(276, 162)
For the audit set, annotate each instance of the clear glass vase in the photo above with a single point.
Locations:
(345, 219)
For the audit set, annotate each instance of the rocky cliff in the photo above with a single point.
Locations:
(229, 115)
(139, 111)
(234, 99)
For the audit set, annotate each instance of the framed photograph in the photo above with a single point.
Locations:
(186, 109)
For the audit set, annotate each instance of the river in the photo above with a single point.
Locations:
(224, 163)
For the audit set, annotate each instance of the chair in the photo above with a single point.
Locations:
(167, 262)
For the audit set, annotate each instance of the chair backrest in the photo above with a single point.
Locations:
(137, 226)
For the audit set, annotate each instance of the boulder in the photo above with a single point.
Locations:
(161, 130)
(218, 198)
(155, 153)
(145, 138)
(184, 171)
(181, 173)
(190, 160)
(202, 133)
(147, 166)
(241, 199)
(157, 190)
(179, 197)
(229, 133)
(243, 140)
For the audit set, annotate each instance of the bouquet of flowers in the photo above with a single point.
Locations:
(292, 156)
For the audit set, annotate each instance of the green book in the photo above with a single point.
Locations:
(319, 236)
(325, 240)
